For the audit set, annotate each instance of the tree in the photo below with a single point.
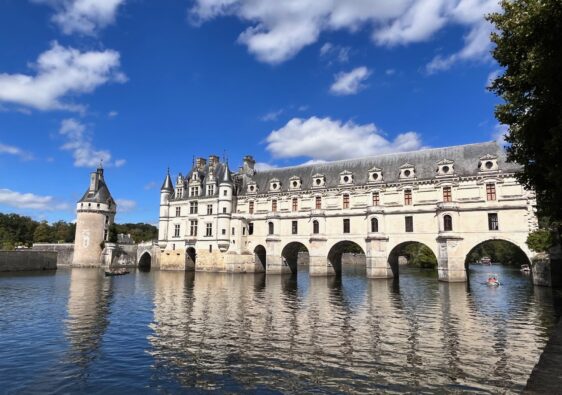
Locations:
(419, 255)
(527, 46)
(540, 240)
(43, 233)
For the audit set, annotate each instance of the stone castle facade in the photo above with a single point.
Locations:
(449, 199)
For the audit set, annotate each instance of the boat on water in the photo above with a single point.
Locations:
(116, 272)
(485, 260)
(493, 280)
(525, 269)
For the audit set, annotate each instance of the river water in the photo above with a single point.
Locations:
(171, 332)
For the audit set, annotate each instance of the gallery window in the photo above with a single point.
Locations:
(346, 201)
(177, 230)
(209, 230)
(294, 227)
(447, 223)
(490, 191)
(447, 194)
(315, 227)
(376, 199)
(346, 225)
(318, 202)
(270, 228)
(251, 207)
(408, 197)
(493, 223)
(295, 204)
(409, 223)
(374, 225)
(251, 228)
(193, 228)
(274, 206)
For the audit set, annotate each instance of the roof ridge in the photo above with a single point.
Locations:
(376, 156)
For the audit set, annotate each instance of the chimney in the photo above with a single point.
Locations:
(249, 162)
(213, 160)
(200, 163)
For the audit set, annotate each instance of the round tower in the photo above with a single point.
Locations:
(226, 192)
(95, 213)
(166, 192)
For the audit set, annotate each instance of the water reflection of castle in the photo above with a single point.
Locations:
(267, 332)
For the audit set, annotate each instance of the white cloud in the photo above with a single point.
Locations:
(79, 142)
(150, 185)
(16, 151)
(30, 201)
(261, 166)
(112, 114)
(327, 139)
(500, 131)
(125, 205)
(278, 30)
(350, 83)
(59, 73)
(272, 115)
(83, 16)
(337, 52)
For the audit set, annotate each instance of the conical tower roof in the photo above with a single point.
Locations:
(226, 177)
(167, 185)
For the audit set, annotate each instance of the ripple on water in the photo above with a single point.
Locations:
(77, 331)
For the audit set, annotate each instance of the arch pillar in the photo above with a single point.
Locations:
(319, 264)
(275, 262)
(451, 259)
(377, 257)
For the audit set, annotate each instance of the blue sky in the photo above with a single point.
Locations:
(147, 84)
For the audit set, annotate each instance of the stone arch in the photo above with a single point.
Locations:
(427, 254)
(190, 259)
(290, 254)
(260, 257)
(145, 261)
(520, 252)
(336, 252)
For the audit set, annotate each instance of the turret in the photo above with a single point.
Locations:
(226, 188)
(95, 213)
(166, 192)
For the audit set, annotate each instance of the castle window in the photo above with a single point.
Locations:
(106, 235)
(223, 231)
(233, 231)
(376, 199)
(177, 230)
(346, 225)
(194, 191)
(490, 191)
(447, 194)
(409, 223)
(315, 227)
(251, 228)
(346, 201)
(178, 211)
(243, 231)
(294, 227)
(210, 190)
(270, 228)
(179, 192)
(274, 206)
(374, 225)
(192, 207)
(106, 219)
(193, 228)
(251, 207)
(493, 223)
(295, 203)
(224, 210)
(98, 205)
(447, 223)
(225, 192)
(408, 197)
(209, 230)
(209, 209)
(318, 202)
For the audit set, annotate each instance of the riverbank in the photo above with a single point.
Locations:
(546, 377)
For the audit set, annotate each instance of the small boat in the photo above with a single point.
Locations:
(486, 260)
(493, 280)
(117, 272)
(525, 269)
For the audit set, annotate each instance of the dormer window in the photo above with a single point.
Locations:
(210, 190)
(445, 167)
(274, 185)
(346, 177)
(194, 191)
(252, 188)
(407, 171)
(295, 183)
(375, 175)
(488, 163)
(318, 181)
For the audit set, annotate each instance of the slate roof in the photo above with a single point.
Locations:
(102, 195)
(221, 174)
(465, 157)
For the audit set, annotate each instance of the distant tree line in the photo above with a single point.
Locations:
(498, 251)
(17, 230)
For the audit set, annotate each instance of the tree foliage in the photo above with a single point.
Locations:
(527, 46)
(540, 240)
(139, 232)
(419, 255)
